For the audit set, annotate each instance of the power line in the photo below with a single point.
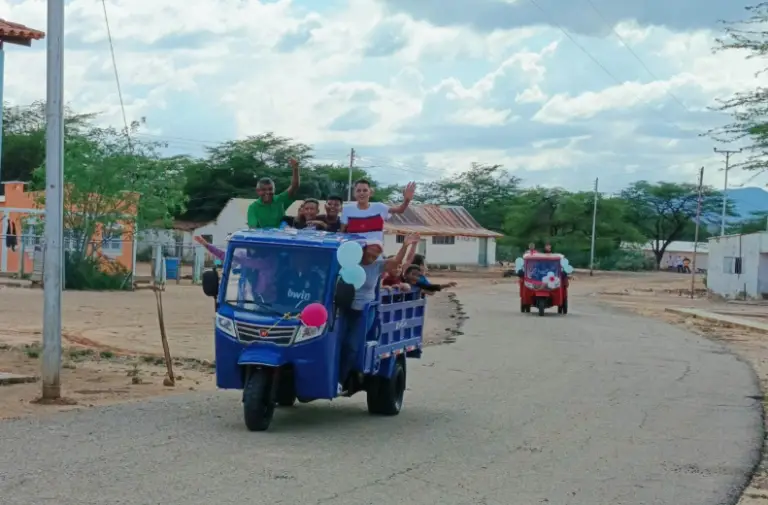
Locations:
(117, 76)
(597, 62)
(633, 53)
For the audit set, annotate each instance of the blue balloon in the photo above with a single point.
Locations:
(519, 264)
(564, 262)
(568, 269)
(354, 275)
(349, 254)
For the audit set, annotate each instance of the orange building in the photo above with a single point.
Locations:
(22, 213)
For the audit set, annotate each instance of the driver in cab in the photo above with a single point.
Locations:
(300, 281)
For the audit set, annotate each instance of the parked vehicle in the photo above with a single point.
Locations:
(266, 344)
(543, 283)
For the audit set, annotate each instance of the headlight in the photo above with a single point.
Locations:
(307, 332)
(226, 325)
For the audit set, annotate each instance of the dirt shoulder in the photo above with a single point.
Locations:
(112, 349)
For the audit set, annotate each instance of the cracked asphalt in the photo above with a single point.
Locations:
(597, 407)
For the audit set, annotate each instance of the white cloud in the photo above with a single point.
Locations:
(456, 94)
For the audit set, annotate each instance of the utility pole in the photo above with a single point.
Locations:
(54, 203)
(727, 154)
(594, 226)
(696, 233)
(351, 168)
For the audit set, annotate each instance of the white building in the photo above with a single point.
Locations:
(676, 249)
(738, 266)
(450, 235)
(177, 241)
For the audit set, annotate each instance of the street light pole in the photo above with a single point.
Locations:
(54, 203)
(727, 154)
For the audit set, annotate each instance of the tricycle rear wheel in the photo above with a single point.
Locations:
(258, 405)
(541, 303)
(385, 395)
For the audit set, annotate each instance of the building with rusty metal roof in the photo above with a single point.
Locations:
(450, 235)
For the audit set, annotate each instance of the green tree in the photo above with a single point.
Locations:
(484, 190)
(748, 109)
(24, 138)
(664, 211)
(757, 222)
(564, 219)
(109, 179)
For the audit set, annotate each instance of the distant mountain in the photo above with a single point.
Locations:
(748, 200)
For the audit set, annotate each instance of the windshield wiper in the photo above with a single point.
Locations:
(263, 305)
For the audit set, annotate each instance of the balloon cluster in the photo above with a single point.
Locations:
(349, 255)
(566, 266)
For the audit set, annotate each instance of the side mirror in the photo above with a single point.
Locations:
(210, 281)
(344, 295)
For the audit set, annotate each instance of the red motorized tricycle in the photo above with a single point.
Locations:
(543, 283)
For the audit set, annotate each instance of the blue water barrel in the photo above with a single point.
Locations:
(172, 268)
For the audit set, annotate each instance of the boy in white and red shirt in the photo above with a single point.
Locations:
(367, 218)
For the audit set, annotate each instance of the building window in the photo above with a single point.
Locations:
(400, 239)
(443, 240)
(732, 265)
(112, 240)
(72, 240)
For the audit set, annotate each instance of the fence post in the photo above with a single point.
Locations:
(199, 264)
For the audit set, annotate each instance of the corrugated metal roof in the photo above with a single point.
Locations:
(426, 219)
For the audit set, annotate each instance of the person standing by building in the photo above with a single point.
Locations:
(269, 209)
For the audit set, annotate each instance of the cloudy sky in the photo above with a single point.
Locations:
(558, 91)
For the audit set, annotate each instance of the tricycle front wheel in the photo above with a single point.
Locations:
(385, 395)
(541, 303)
(258, 405)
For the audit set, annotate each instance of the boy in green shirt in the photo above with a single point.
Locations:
(268, 210)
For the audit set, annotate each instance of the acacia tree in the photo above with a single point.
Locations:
(663, 211)
(484, 190)
(748, 109)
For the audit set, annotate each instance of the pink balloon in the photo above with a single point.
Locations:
(314, 315)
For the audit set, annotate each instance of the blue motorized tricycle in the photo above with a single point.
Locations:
(266, 344)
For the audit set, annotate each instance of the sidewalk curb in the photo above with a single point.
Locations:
(721, 319)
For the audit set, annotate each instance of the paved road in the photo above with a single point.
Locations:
(595, 408)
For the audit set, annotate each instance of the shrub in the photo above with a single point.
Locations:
(87, 273)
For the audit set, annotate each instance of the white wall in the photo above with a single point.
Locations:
(230, 219)
(169, 239)
(669, 258)
(464, 250)
(753, 251)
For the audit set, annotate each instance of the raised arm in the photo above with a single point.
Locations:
(408, 194)
(295, 178)
(411, 253)
(400, 256)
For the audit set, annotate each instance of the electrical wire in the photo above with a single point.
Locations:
(117, 75)
(634, 54)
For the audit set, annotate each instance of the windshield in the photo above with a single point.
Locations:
(277, 279)
(537, 270)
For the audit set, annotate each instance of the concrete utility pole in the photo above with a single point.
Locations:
(54, 203)
(594, 226)
(727, 154)
(351, 168)
(696, 234)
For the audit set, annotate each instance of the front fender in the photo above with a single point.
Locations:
(261, 355)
